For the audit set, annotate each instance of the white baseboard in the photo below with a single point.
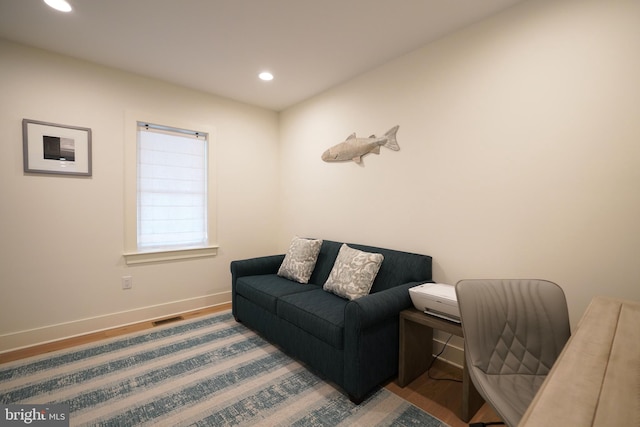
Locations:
(50, 333)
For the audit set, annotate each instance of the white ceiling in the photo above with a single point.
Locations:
(220, 46)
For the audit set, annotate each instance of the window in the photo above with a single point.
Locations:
(172, 187)
(167, 193)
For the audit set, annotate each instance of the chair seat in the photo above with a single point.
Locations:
(517, 392)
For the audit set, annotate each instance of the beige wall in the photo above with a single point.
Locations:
(520, 152)
(520, 145)
(62, 239)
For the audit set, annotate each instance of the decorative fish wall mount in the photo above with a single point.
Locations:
(354, 148)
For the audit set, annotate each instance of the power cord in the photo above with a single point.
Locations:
(433, 361)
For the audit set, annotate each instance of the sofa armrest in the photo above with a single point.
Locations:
(369, 310)
(371, 330)
(256, 266)
(252, 267)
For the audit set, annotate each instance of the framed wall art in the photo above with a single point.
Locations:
(56, 149)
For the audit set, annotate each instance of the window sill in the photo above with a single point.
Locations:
(169, 255)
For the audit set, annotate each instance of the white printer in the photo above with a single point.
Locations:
(437, 299)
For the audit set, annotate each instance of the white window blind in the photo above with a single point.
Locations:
(172, 187)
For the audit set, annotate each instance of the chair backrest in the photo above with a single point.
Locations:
(514, 330)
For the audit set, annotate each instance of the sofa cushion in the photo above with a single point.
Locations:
(300, 260)
(353, 273)
(326, 259)
(265, 289)
(398, 268)
(317, 312)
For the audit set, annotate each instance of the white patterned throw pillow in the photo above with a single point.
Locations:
(353, 273)
(300, 259)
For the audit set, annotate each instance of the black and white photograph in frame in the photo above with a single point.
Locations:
(56, 149)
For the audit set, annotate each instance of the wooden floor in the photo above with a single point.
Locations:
(97, 336)
(440, 398)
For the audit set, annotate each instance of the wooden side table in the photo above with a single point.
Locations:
(416, 354)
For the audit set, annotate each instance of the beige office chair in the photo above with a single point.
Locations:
(513, 331)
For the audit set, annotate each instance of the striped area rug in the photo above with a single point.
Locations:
(208, 371)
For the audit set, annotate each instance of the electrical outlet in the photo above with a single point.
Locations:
(127, 282)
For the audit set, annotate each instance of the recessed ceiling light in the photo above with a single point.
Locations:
(266, 76)
(61, 5)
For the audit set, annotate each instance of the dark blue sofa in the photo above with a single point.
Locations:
(353, 344)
